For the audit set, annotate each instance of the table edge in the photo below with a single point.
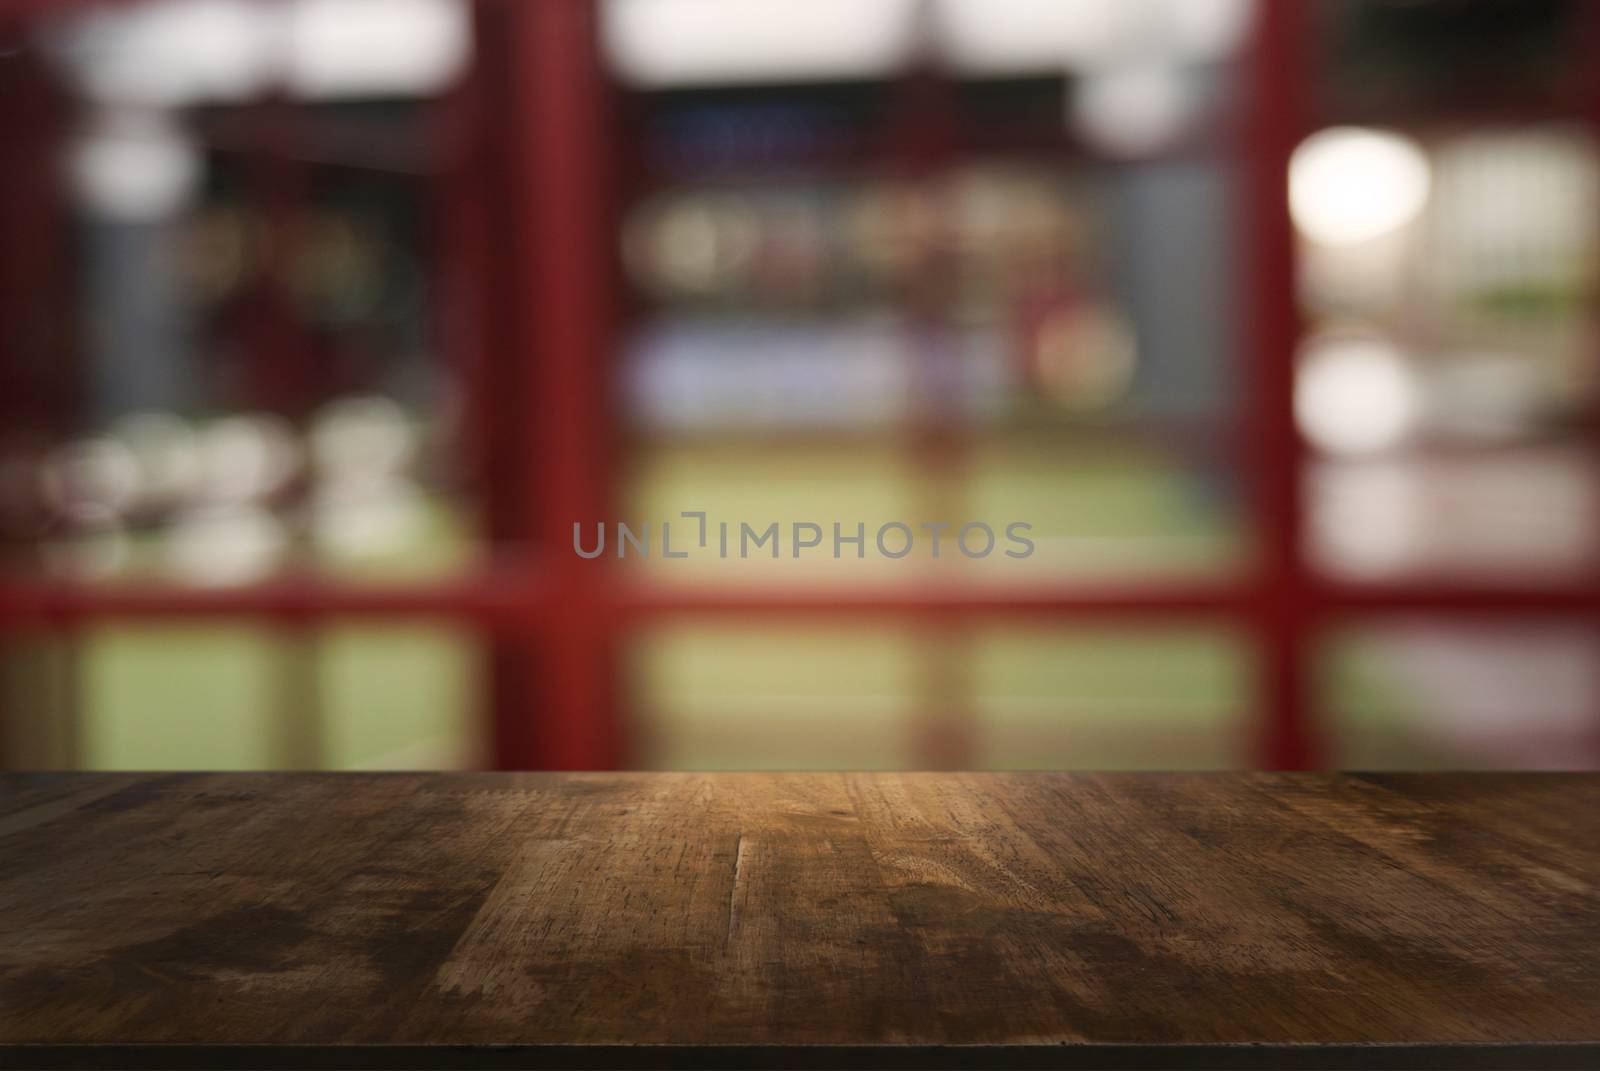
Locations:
(1069, 1056)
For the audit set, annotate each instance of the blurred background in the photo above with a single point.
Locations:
(321, 322)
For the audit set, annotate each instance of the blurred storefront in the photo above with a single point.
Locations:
(322, 322)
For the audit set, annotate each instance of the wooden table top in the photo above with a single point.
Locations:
(787, 920)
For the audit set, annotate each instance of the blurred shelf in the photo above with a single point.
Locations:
(866, 130)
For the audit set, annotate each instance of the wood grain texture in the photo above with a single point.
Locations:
(1065, 920)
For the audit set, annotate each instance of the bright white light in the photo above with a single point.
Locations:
(1348, 184)
(369, 521)
(1367, 519)
(345, 48)
(172, 51)
(362, 441)
(1204, 30)
(219, 545)
(1086, 35)
(163, 448)
(1354, 395)
(708, 42)
(1128, 111)
(1021, 35)
(137, 167)
(247, 457)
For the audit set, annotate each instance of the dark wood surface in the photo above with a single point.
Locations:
(871, 920)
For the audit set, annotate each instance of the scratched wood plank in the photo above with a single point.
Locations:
(1061, 919)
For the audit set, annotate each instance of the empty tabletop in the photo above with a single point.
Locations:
(800, 920)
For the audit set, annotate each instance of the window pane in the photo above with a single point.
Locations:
(990, 698)
(1521, 694)
(737, 697)
(183, 697)
(1011, 339)
(400, 697)
(1076, 698)
(1447, 381)
(239, 263)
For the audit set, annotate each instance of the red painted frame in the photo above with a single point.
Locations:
(529, 222)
